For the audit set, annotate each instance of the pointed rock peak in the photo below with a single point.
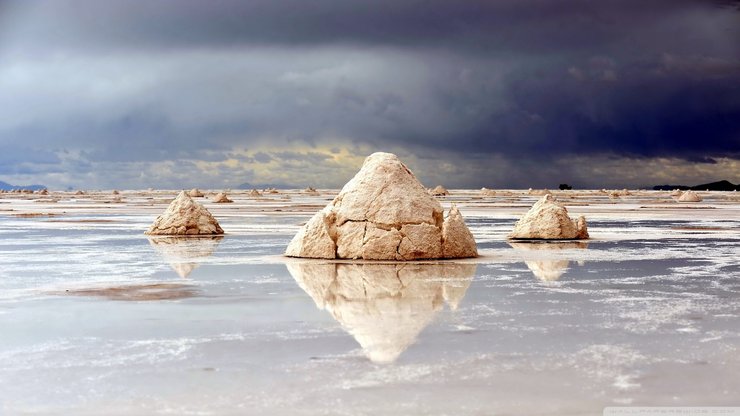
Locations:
(548, 220)
(440, 190)
(457, 240)
(221, 198)
(185, 217)
(689, 196)
(383, 213)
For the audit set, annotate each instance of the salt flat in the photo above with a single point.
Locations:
(97, 318)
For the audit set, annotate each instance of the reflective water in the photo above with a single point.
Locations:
(97, 319)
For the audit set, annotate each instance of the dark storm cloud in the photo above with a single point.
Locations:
(640, 109)
(520, 26)
(539, 80)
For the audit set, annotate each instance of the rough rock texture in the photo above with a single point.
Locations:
(457, 241)
(185, 217)
(384, 306)
(221, 198)
(548, 220)
(439, 190)
(689, 196)
(383, 213)
(196, 193)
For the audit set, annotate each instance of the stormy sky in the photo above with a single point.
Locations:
(504, 93)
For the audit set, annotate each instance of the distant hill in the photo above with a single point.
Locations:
(248, 185)
(8, 187)
(713, 186)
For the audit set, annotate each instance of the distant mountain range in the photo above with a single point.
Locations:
(714, 186)
(8, 187)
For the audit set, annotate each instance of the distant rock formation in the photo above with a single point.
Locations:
(185, 217)
(487, 192)
(384, 306)
(548, 220)
(196, 193)
(723, 185)
(689, 196)
(255, 193)
(221, 198)
(383, 213)
(439, 190)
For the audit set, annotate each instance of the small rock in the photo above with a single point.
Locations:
(548, 220)
(221, 198)
(185, 217)
(440, 190)
(689, 196)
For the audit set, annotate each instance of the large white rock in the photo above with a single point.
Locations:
(383, 213)
(548, 220)
(689, 196)
(384, 306)
(185, 217)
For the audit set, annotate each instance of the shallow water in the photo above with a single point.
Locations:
(95, 318)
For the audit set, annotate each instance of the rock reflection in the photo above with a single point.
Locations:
(384, 306)
(155, 291)
(184, 254)
(548, 269)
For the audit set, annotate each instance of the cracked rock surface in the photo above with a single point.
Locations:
(548, 220)
(185, 217)
(384, 213)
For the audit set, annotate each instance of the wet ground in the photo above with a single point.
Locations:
(97, 319)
